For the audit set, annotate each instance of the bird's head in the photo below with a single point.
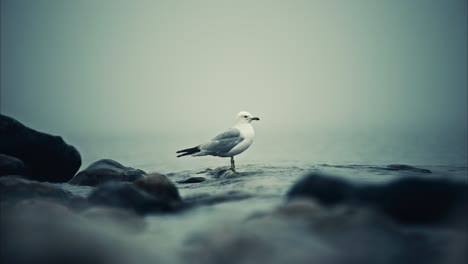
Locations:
(245, 117)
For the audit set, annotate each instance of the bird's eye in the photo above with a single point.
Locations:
(245, 116)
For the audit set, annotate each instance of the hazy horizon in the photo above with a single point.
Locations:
(331, 80)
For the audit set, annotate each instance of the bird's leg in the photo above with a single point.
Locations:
(233, 166)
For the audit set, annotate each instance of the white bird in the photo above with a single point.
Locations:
(230, 143)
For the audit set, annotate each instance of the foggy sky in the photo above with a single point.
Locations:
(172, 67)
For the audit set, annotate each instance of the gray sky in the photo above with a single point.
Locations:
(308, 69)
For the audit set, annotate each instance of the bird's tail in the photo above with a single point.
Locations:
(188, 151)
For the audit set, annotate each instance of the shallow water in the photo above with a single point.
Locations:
(257, 188)
(265, 174)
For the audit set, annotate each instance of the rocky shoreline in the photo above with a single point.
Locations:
(322, 219)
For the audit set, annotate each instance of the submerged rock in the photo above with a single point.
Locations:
(403, 167)
(407, 200)
(11, 166)
(106, 170)
(192, 180)
(129, 196)
(48, 157)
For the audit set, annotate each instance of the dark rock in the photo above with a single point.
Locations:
(14, 189)
(417, 200)
(192, 180)
(402, 167)
(160, 187)
(407, 200)
(48, 157)
(326, 189)
(11, 166)
(128, 196)
(106, 170)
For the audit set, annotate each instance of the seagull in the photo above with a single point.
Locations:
(230, 143)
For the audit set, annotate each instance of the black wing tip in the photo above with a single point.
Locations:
(188, 151)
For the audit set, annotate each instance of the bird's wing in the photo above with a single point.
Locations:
(223, 142)
(230, 133)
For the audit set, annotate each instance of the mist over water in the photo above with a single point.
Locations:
(333, 82)
(157, 152)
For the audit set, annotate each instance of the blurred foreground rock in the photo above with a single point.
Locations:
(106, 170)
(407, 200)
(150, 194)
(303, 231)
(48, 157)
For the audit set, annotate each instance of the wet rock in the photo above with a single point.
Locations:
(327, 189)
(417, 200)
(221, 172)
(128, 196)
(192, 180)
(226, 173)
(14, 189)
(11, 166)
(402, 167)
(106, 170)
(407, 200)
(48, 157)
(160, 187)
